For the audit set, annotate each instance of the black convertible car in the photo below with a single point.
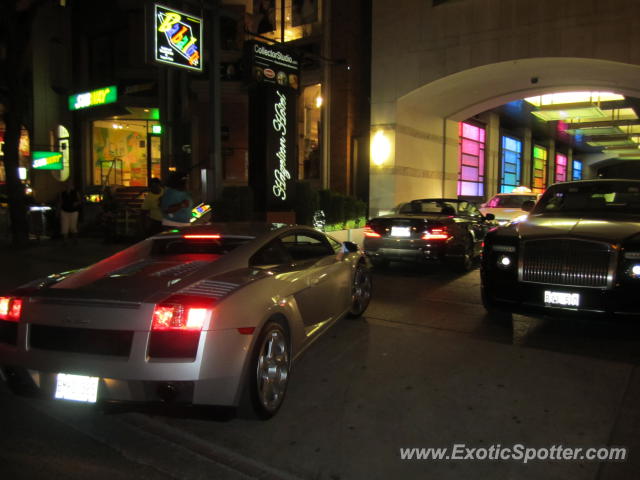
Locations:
(432, 229)
(577, 253)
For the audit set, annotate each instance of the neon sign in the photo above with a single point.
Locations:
(93, 98)
(47, 161)
(178, 38)
(281, 174)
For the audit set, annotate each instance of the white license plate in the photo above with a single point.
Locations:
(77, 388)
(564, 299)
(400, 231)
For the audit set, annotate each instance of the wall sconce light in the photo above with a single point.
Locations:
(380, 148)
(319, 101)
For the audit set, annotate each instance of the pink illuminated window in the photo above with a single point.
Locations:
(561, 168)
(471, 160)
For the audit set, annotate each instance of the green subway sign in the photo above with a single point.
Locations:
(47, 161)
(93, 98)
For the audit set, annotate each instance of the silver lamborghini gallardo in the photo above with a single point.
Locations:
(210, 315)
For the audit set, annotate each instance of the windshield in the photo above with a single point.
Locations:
(591, 199)
(447, 207)
(509, 201)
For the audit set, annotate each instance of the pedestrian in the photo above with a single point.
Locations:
(69, 204)
(176, 202)
(109, 215)
(150, 209)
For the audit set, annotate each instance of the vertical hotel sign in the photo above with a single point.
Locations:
(177, 38)
(273, 166)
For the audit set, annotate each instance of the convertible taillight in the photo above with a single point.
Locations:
(176, 326)
(10, 308)
(436, 234)
(370, 232)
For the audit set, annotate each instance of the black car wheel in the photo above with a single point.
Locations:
(495, 314)
(360, 291)
(380, 262)
(268, 374)
(464, 263)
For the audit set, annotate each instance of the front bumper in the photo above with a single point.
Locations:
(529, 299)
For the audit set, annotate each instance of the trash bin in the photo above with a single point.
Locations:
(38, 221)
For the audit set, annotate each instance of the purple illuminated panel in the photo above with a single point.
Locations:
(471, 160)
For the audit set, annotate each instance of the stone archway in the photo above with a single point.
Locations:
(424, 135)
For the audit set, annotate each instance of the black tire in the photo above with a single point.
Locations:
(465, 262)
(380, 263)
(494, 314)
(268, 374)
(360, 291)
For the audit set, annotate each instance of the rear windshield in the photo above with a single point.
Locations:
(509, 201)
(430, 206)
(178, 246)
(151, 260)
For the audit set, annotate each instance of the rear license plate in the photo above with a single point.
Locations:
(77, 388)
(564, 299)
(400, 231)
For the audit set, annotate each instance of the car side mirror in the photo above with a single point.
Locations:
(528, 205)
(350, 247)
(490, 216)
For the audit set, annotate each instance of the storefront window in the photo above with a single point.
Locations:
(471, 160)
(60, 143)
(24, 152)
(301, 18)
(511, 164)
(561, 168)
(577, 170)
(125, 151)
(309, 129)
(539, 169)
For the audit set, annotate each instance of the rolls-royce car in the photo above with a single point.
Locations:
(506, 207)
(425, 230)
(206, 315)
(577, 253)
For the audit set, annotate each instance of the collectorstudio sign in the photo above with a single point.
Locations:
(274, 77)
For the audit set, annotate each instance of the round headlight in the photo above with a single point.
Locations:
(504, 262)
(634, 271)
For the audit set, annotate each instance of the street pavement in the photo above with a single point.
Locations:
(423, 368)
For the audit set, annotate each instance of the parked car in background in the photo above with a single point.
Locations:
(508, 206)
(577, 253)
(431, 229)
(207, 315)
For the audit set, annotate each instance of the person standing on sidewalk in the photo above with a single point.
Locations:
(69, 207)
(150, 209)
(176, 202)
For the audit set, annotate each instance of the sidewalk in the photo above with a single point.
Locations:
(18, 266)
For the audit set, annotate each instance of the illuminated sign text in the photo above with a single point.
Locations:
(47, 161)
(93, 98)
(178, 38)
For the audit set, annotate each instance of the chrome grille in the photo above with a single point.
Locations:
(570, 262)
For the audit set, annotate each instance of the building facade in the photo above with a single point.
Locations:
(445, 74)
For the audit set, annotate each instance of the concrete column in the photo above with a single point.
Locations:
(527, 154)
(551, 160)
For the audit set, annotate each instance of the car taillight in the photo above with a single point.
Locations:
(208, 236)
(10, 308)
(369, 232)
(178, 317)
(436, 234)
(176, 326)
